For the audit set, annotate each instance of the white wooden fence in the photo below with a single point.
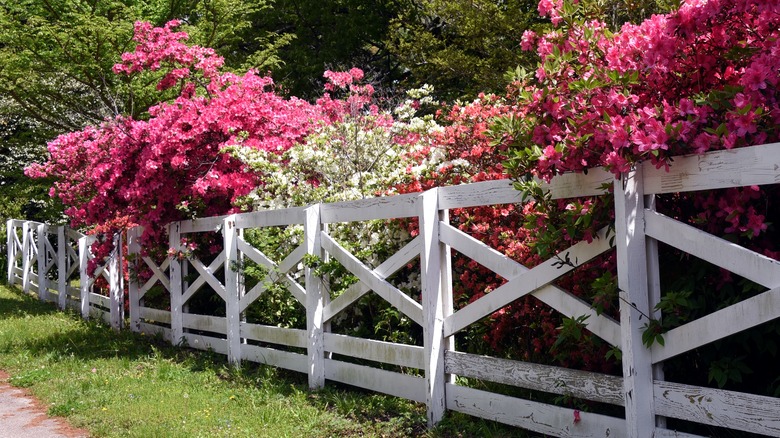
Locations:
(647, 399)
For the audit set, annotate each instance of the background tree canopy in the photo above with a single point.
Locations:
(56, 58)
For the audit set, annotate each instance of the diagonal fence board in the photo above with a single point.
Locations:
(526, 283)
(207, 274)
(390, 293)
(389, 267)
(276, 272)
(732, 257)
(158, 274)
(601, 325)
(719, 324)
(201, 280)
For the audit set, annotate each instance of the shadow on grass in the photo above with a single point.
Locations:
(57, 335)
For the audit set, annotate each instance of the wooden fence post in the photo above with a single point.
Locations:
(433, 302)
(654, 292)
(134, 261)
(10, 230)
(229, 234)
(314, 302)
(84, 244)
(42, 233)
(177, 320)
(116, 284)
(634, 304)
(26, 257)
(62, 268)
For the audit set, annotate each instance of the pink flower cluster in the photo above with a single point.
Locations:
(701, 78)
(140, 171)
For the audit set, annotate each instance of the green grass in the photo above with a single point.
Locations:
(125, 384)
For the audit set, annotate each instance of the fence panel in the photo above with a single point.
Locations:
(428, 372)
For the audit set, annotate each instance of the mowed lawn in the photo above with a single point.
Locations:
(126, 384)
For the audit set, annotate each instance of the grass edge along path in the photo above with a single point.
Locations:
(126, 384)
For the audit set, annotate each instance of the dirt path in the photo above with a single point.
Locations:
(21, 415)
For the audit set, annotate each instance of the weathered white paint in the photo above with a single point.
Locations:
(100, 300)
(476, 194)
(562, 301)
(115, 285)
(277, 358)
(717, 325)
(10, 238)
(667, 433)
(62, 268)
(275, 273)
(202, 342)
(158, 274)
(654, 289)
(580, 384)
(206, 323)
(716, 407)
(207, 274)
(538, 417)
(312, 230)
(527, 282)
(411, 356)
(133, 294)
(175, 272)
(274, 335)
(201, 225)
(569, 185)
(387, 382)
(433, 306)
(232, 289)
(156, 330)
(390, 293)
(270, 218)
(40, 238)
(730, 256)
(755, 165)
(150, 314)
(384, 270)
(85, 281)
(634, 302)
(390, 207)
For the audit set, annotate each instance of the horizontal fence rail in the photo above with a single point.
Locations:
(53, 262)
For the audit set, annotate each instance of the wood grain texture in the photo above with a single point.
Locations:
(271, 218)
(277, 358)
(534, 416)
(206, 323)
(717, 325)
(556, 380)
(274, 335)
(715, 407)
(526, 282)
(387, 291)
(732, 257)
(411, 356)
(755, 165)
(374, 379)
(389, 207)
(389, 267)
(601, 325)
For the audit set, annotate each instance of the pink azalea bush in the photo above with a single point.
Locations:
(171, 166)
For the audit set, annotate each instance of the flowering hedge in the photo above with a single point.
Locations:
(704, 77)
